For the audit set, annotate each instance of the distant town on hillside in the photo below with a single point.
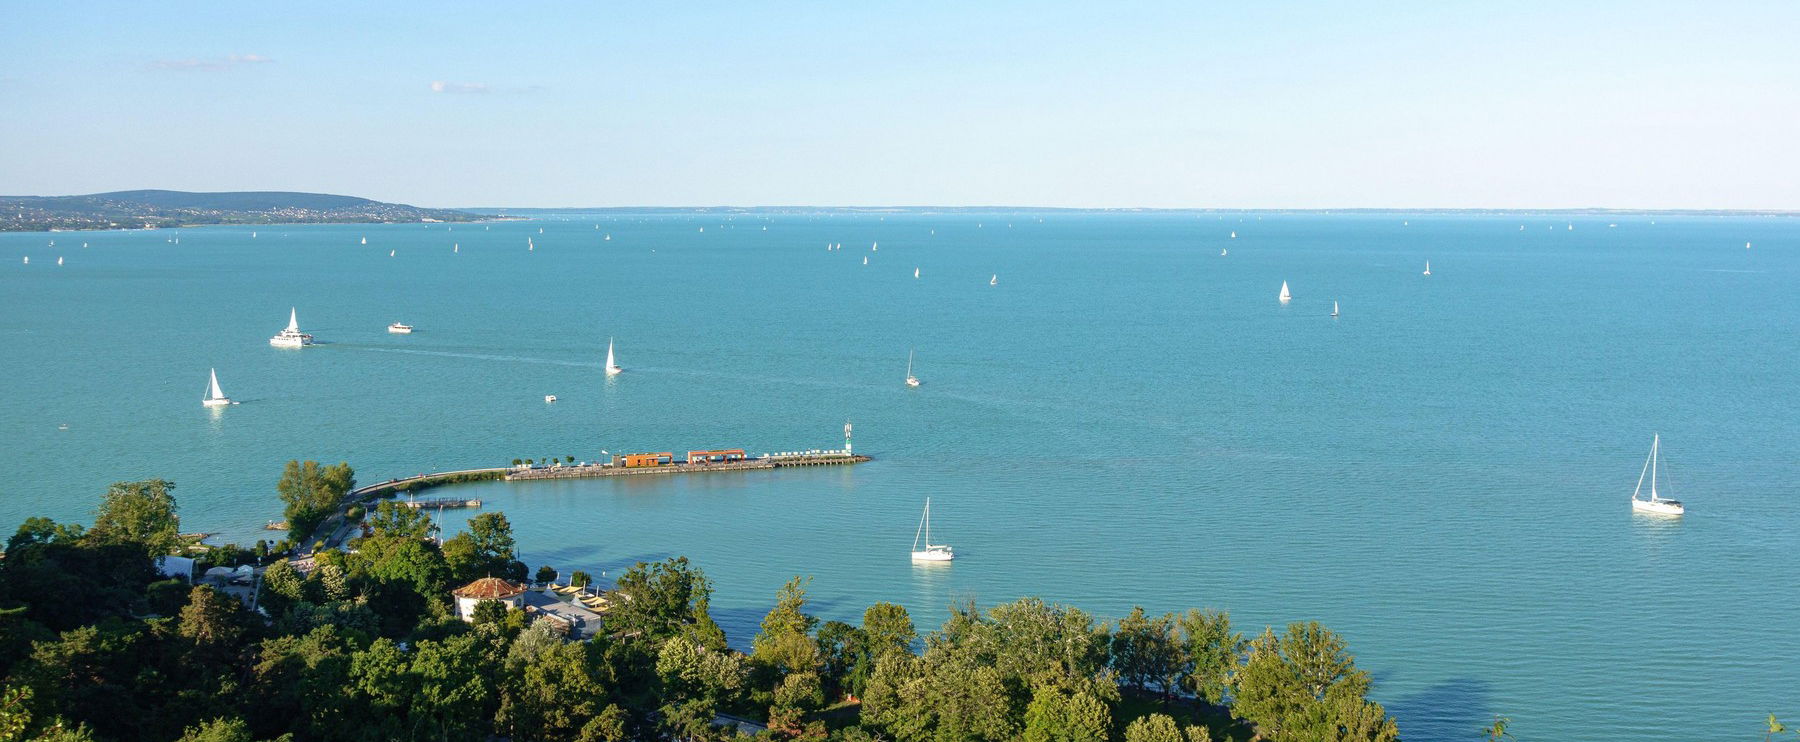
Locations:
(153, 209)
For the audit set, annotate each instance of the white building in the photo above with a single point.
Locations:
(485, 589)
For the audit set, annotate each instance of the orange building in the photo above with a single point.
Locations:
(640, 460)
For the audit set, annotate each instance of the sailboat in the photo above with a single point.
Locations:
(529, 245)
(612, 366)
(1746, 246)
(1234, 235)
(932, 552)
(291, 336)
(911, 380)
(865, 260)
(1427, 267)
(456, 248)
(214, 397)
(365, 240)
(59, 260)
(1285, 296)
(875, 247)
(391, 253)
(995, 281)
(915, 273)
(1222, 252)
(1334, 308)
(1657, 504)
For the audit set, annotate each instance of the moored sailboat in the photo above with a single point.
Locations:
(1657, 504)
(932, 552)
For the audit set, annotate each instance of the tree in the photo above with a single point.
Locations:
(579, 578)
(214, 624)
(311, 493)
(1145, 652)
(1304, 685)
(1060, 712)
(1153, 728)
(488, 612)
(1212, 650)
(665, 599)
(546, 574)
(689, 671)
(399, 520)
(887, 626)
(785, 642)
(456, 697)
(554, 694)
(139, 513)
(219, 730)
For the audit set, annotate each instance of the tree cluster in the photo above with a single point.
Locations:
(311, 493)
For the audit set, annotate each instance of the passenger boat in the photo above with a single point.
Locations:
(400, 328)
(291, 337)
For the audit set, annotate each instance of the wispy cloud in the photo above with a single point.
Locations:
(191, 64)
(440, 86)
(480, 88)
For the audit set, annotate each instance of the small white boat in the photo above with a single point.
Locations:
(291, 337)
(1334, 308)
(540, 230)
(59, 260)
(911, 380)
(456, 247)
(612, 367)
(365, 240)
(1285, 296)
(1746, 245)
(865, 260)
(391, 253)
(607, 238)
(915, 273)
(549, 398)
(1234, 235)
(529, 245)
(1221, 252)
(995, 281)
(932, 552)
(1657, 504)
(214, 397)
(1427, 268)
(875, 247)
(400, 328)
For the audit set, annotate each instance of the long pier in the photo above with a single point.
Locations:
(768, 461)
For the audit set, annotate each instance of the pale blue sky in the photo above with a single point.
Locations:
(1184, 104)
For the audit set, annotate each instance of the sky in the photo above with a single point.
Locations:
(1096, 104)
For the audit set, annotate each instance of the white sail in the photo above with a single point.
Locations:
(293, 320)
(1427, 267)
(612, 367)
(365, 240)
(910, 379)
(213, 392)
(995, 281)
(915, 273)
(1334, 308)
(1284, 292)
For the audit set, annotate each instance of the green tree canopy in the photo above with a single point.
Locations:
(139, 513)
(311, 493)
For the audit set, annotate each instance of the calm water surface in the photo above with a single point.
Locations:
(1128, 417)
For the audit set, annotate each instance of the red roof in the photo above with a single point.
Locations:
(489, 588)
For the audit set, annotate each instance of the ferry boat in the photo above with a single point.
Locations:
(291, 337)
(400, 328)
(932, 552)
(1657, 504)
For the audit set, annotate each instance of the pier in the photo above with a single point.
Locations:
(442, 503)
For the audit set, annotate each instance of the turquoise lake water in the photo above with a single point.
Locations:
(1440, 474)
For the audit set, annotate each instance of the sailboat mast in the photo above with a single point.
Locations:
(1655, 443)
(922, 521)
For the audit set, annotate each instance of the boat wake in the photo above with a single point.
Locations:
(475, 356)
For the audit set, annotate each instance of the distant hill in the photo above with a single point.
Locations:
(150, 208)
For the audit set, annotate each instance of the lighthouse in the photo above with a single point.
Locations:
(846, 437)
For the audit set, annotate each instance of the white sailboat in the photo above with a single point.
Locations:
(612, 366)
(1746, 246)
(995, 281)
(1657, 504)
(365, 240)
(456, 248)
(1234, 235)
(391, 253)
(932, 552)
(214, 397)
(1285, 296)
(529, 245)
(911, 380)
(59, 260)
(1334, 308)
(1427, 268)
(291, 336)
(875, 247)
(1222, 252)
(915, 273)
(865, 260)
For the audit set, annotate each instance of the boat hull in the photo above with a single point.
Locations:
(939, 554)
(1657, 507)
(218, 402)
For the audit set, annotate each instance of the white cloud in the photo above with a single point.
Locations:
(440, 86)
(209, 63)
